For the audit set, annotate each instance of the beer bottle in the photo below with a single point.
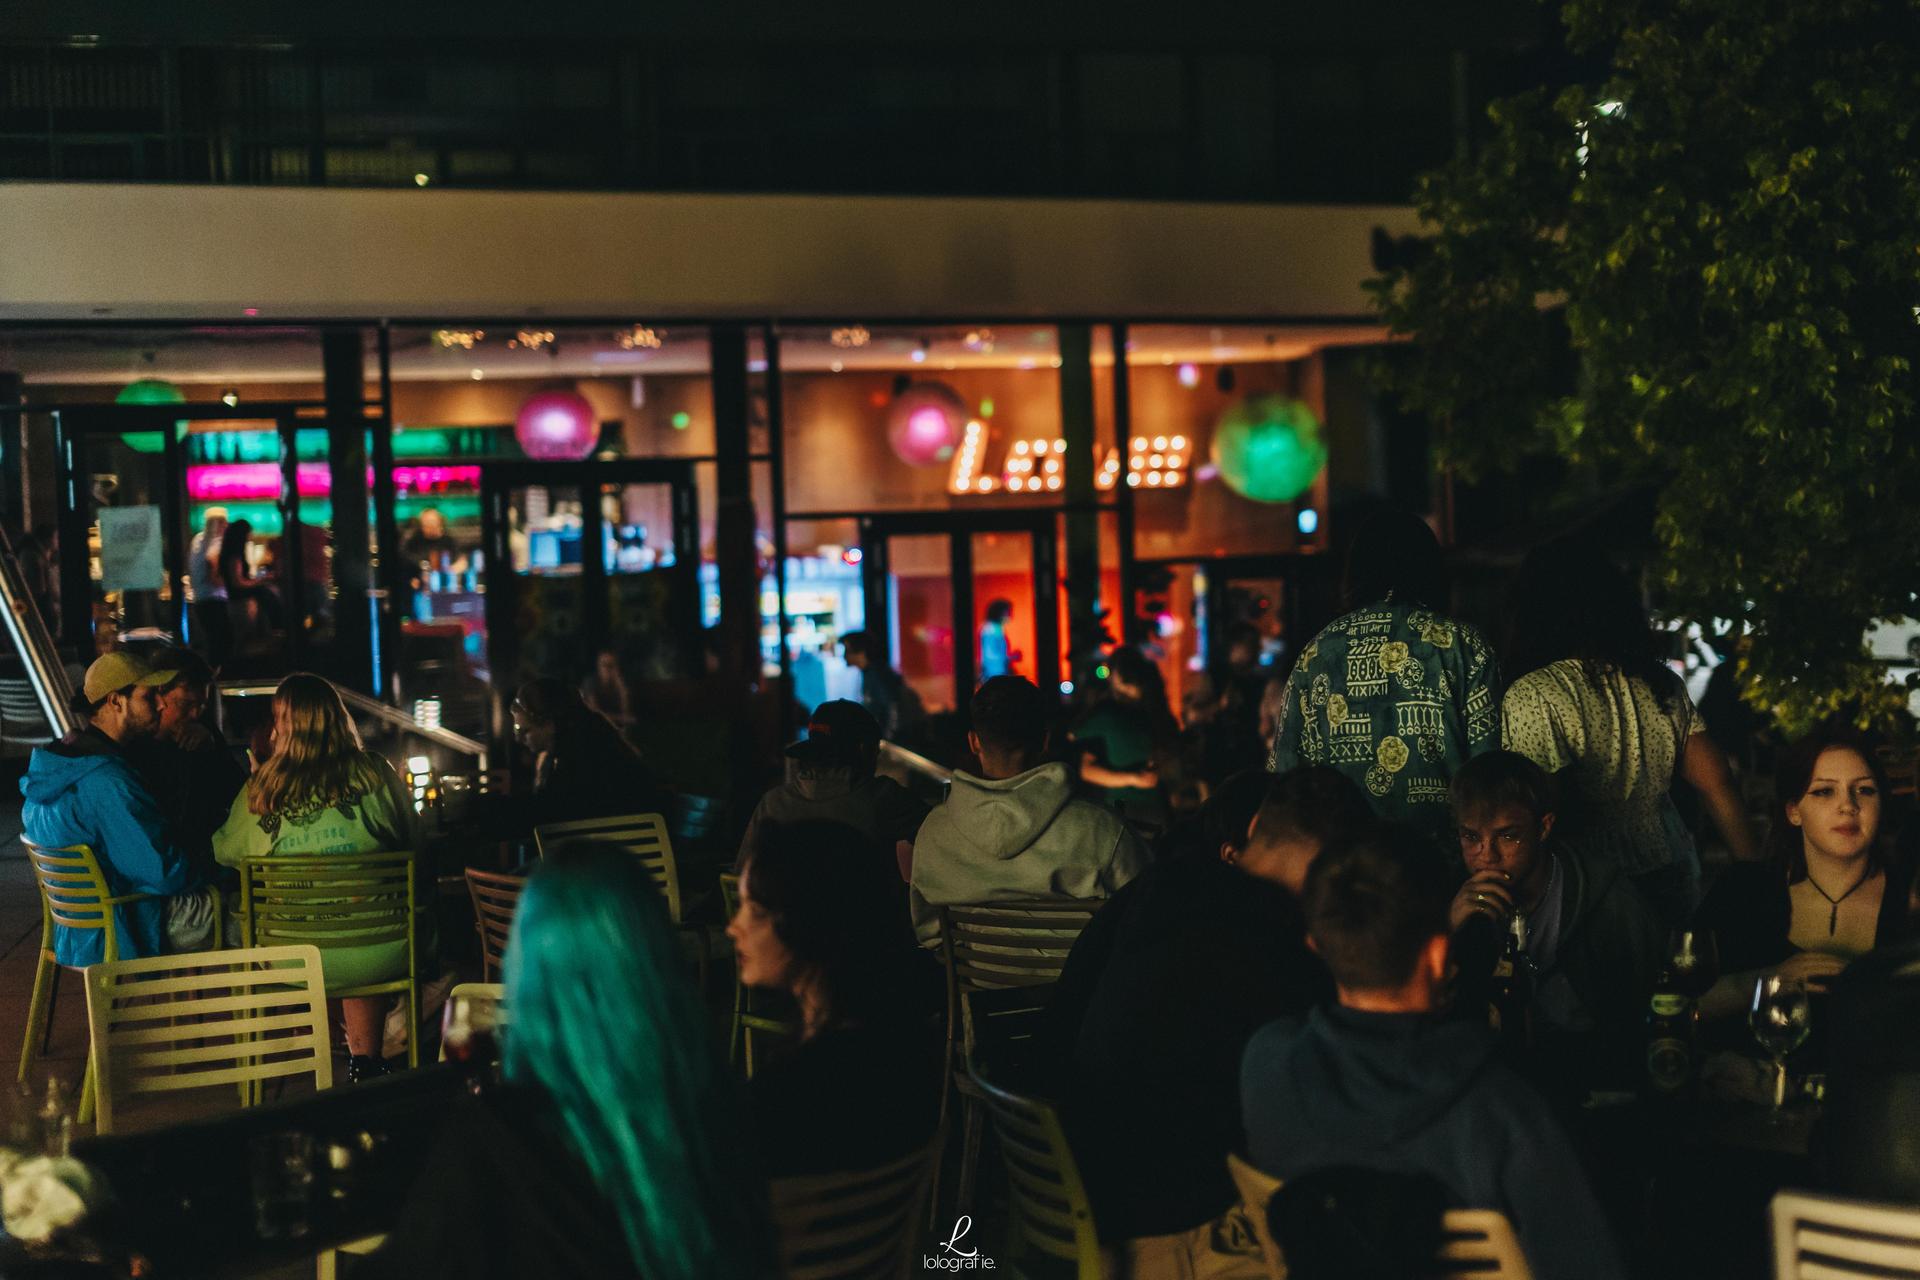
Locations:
(1513, 990)
(1671, 1022)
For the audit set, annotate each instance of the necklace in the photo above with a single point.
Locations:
(1833, 917)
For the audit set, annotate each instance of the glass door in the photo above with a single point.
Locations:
(589, 566)
(960, 599)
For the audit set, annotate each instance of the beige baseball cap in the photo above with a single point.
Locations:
(117, 670)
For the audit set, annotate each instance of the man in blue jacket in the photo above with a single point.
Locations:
(1383, 1081)
(83, 790)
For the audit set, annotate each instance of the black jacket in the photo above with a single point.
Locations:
(1150, 1017)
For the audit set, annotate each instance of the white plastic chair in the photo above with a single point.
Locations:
(1835, 1238)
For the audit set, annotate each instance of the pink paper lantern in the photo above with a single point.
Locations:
(925, 423)
(556, 426)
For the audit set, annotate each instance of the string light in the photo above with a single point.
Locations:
(532, 339)
(979, 341)
(464, 339)
(850, 336)
(640, 338)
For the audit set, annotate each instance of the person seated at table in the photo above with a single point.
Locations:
(1018, 831)
(583, 767)
(862, 1088)
(884, 691)
(1160, 994)
(84, 790)
(1589, 940)
(1383, 1081)
(322, 792)
(1826, 892)
(613, 1148)
(187, 763)
(833, 779)
(243, 587)
(605, 690)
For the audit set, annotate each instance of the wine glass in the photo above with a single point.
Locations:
(1780, 1018)
(1695, 959)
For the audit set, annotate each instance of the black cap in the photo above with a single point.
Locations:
(839, 732)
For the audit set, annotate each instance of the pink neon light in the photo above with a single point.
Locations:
(240, 481)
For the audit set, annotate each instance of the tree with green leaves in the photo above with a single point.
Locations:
(1728, 220)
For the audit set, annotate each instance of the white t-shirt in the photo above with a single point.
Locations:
(1615, 745)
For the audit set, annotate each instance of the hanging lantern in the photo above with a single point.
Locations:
(151, 391)
(1268, 448)
(925, 422)
(556, 426)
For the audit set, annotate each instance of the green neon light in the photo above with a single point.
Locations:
(681, 421)
(266, 521)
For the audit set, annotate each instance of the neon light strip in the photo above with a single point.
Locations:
(242, 481)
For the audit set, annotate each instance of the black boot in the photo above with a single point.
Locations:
(362, 1067)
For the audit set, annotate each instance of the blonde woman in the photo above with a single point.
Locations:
(322, 792)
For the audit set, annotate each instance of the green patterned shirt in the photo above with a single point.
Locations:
(1396, 697)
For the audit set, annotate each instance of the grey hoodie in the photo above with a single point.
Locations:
(1019, 837)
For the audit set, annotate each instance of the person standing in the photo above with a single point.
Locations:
(997, 654)
(884, 691)
(207, 588)
(1594, 704)
(1395, 694)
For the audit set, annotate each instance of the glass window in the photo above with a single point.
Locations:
(926, 418)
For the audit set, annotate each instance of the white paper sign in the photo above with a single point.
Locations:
(130, 549)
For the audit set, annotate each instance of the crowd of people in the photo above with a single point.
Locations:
(1394, 954)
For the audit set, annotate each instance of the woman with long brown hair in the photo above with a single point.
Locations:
(322, 792)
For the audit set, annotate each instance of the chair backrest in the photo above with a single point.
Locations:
(1480, 1243)
(495, 898)
(1017, 943)
(328, 900)
(694, 817)
(644, 835)
(729, 893)
(73, 890)
(838, 1226)
(1476, 1244)
(1051, 1212)
(168, 1023)
(1818, 1236)
(999, 1027)
(1257, 1188)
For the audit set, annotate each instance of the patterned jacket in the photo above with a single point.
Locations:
(1397, 697)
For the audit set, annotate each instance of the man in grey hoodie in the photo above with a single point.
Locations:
(833, 779)
(1019, 831)
(1383, 1081)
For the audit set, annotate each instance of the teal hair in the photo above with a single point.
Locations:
(606, 1024)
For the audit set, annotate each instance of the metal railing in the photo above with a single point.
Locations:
(391, 717)
(34, 643)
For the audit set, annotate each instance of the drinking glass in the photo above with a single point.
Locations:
(1695, 958)
(282, 1179)
(1780, 1018)
(468, 1028)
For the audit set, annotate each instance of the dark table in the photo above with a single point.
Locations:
(184, 1196)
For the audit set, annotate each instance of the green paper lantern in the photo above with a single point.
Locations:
(1268, 448)
(151, 391)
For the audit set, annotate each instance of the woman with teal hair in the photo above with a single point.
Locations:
(612, 1148)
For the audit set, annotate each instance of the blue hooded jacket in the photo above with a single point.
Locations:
(84, 791)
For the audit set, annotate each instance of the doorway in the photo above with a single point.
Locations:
(588, 557)
(960, 598)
